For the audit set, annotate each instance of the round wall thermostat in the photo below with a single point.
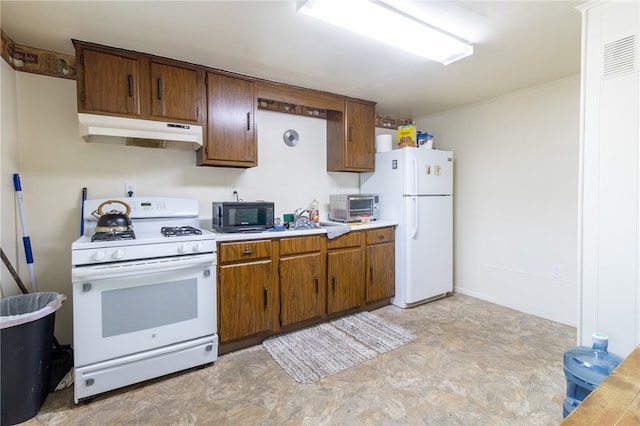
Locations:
(291, 137)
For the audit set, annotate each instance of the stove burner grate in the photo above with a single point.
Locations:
(178, 231)
(113, 236)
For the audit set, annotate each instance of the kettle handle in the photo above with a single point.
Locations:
(101, 213)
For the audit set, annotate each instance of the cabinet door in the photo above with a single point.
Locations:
(380, 281)
(231, 133)
(345, 279)
(351, 138)
(360, 137)
(109, 83)
(245, 304)
(301, 288)
(176, 92)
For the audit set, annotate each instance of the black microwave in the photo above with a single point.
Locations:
(251, 216)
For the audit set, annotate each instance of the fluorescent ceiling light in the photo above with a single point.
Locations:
(377, 20)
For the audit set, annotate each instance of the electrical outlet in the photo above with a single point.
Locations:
(556, 271)
(233, 191)
(339, 189)
(129, 189)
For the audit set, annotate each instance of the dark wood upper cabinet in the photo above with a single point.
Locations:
(175, 92)
(231, 126)
(109, 83)
(130, 84)
(351, 138)
(124, 83)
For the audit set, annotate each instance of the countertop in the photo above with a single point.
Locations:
(220, 236)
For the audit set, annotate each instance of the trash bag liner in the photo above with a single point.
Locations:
(16, 310)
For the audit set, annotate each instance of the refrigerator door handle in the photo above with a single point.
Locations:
(414, 175)
(414, 217)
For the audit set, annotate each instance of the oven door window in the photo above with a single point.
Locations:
(127, 310)
(358, 206)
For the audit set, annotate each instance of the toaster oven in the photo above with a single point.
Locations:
(349, 207)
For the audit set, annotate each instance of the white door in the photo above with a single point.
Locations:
(429, 247)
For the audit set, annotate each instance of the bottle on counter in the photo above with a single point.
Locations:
(314, 213)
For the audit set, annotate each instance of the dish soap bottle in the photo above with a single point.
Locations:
(314, 213)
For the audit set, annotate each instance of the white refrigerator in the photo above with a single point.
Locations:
(415, 186)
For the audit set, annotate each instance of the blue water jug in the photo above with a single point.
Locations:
(585, 368)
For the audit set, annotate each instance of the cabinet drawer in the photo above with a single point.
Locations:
(244, 250)
(382, 235)
(352, 239)
(300, 245)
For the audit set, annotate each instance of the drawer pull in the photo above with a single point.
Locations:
(247, 251)
(381, 237)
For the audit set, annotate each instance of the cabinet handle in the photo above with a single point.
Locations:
(350, 133)
(317, 286)
(266, 298)
(381, 237)
(130, 81)
(159, 88)
(333, 283)
(248, 121)
(247, 251)
(371, 274)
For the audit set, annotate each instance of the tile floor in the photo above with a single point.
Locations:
(473, 363)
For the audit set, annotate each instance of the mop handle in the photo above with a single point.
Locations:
(25, 233)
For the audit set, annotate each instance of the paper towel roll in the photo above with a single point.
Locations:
(383, 143)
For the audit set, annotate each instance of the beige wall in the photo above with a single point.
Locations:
(515, 202)
(55, 164)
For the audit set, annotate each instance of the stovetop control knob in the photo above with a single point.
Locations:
(197, 247)
(98, 255)
(118, 254)
(183, 248)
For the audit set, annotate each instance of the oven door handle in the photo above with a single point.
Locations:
(113, 270)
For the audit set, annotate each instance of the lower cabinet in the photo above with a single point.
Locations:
(247, 296)
(381, 264)
(302, 279)
(267, 286)
(345, 272)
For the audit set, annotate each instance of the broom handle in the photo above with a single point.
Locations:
(25, 233)
(13, 272)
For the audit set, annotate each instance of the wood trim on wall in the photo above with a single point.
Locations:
(37, 61)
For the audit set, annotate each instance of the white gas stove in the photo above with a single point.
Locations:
(148, 218)
(144, 300)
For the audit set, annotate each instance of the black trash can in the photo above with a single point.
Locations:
(26, 340)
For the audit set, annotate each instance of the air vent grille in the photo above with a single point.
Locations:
(621, 57)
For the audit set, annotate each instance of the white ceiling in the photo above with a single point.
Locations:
(517, 44)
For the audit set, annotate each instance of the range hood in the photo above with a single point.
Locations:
(137, 132)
